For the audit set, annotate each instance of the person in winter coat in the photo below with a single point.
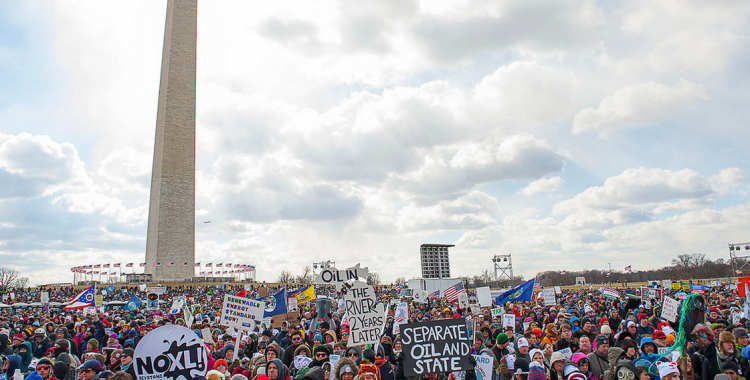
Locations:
(385, 368)
(550, 334)
(615, 356)
(276, 370)
(599, 359)
(648, 353)
(40, 344)
(347, 369)
(62, 333)
(726, 350)
(5, 348)
(24, 351)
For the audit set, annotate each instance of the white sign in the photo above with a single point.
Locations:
(292, 303)
(301, 361)
(177, 306)
(566, 352)
(420, 296)
(241, 313)
(333, 276)
(558, 290)
(188, 316)
(475, 309)
(44, 297)
(463, 300)
(170, 352)
(666, 284)
(484, 298)
(483, 368)
(549, 297)
(496, 311)
(401, 317)
(158, 290)
(509, 320)
(609, 292)
(206, 334)
(365, 314)
(669, 309)
(334, 359)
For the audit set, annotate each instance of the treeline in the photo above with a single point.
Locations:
(685, 267)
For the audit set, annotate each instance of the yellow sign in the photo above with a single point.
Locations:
(99, 302)
(676, 286)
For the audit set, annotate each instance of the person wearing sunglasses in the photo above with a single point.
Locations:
(90, 369)
(44, 369)
(321, 355)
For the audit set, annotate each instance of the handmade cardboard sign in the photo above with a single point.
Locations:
(401, 316)
(420, 296)
(484, 297)
(435, 347)
(549, 297)
(333, 276)
(170, 352)
(366, 316)
(669, 309)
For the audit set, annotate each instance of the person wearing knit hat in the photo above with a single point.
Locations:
(44, 368)
(668, 370)
(321, 355)
(90, 369)
(369, 371)
(536, 371)
(222, 366)
(730, 368)
(92, 345)
(741, 338)
(556, 363)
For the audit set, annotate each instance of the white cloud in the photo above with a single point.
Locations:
(637, 106)
(643, 189)
(542, 185)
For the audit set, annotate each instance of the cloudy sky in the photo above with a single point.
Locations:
(571, 134)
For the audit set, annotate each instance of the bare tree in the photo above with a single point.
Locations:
(286, 277)
(373, 279)
(8, 277)
(21, 282)
(306, 277)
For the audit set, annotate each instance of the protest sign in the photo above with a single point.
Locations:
(463, 300)
(292, 303)
(496, 311)
(152, 301)
(435, 347)
(241, 313)
(99, 300)
(334, 359)
(666, 284)
(566, 352)
(170, 352)
(420, 296)
(609, 292)
(484, 297)
(366, 315)
(158, 290)
(483, 369)
(400, 317)
(188, 316)
(301, 361)
(206, 334)
(509, 320)
(475, 309)
(333, 276)
(558, 290)
(44, 297)
(549, 296)
(176, 306)
(669, 309)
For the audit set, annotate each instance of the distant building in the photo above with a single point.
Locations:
(435, 262)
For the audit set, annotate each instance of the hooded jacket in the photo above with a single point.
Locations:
(613, 356)
(73, 348)
(40, 349)
(283, 370)
(599, 363)
(646, 359)
(25, 356)
(14, 362)
(4, 348)
(341, 363)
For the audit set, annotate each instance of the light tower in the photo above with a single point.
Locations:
(738, 262)
(503, 264)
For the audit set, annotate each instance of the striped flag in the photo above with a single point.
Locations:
(143, 264)
(208, 265)
(628, 268)
(170, 264)
(228, 265)
(105, 265)
(97, 266)
(451, 294)
(184, 264)
(197, 265)
(130, 265)
(218, 265)
(563, 272)
(157, 264)
(117, 265)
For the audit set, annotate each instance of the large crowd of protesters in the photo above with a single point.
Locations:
(584, 335)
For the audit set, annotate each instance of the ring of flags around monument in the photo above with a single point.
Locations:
(226, 268)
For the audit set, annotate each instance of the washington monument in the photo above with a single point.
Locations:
(170, 244)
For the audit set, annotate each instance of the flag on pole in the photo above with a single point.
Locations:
(82, 299)
(523, 292)
(170, 264)
(628, 268)
(157, 264)
(129, 265)
(117, 265)
(197, 264)
(184, 264)
(143, 264)
(451, 294)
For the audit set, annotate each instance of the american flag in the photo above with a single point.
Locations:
(208, 265)
(97, 266)
(170, 264)
(157, 264)
(197, 265)
(537, 283)
(104, 272)
(628, 268)
(228, 265)
(218, 265)
(143, 264)
(184, 264)
(563, 272)
(451, 294)
(117, 265)
(96, 272)
(738, 271)
(105, 265)
(129, 265)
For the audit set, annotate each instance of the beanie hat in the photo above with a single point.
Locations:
(367, 367)
(665, 368)
(92, 364)
(227, 348)
(537, 331)
(658, 335)
(606, 329)
(113, 336)
(502, 338)
(729, 365)
(45, 361)
(219, 362)
(601, 340)
(522, 342)
(536, 371)
(93, 343)
(132, 334)
(739, 333)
